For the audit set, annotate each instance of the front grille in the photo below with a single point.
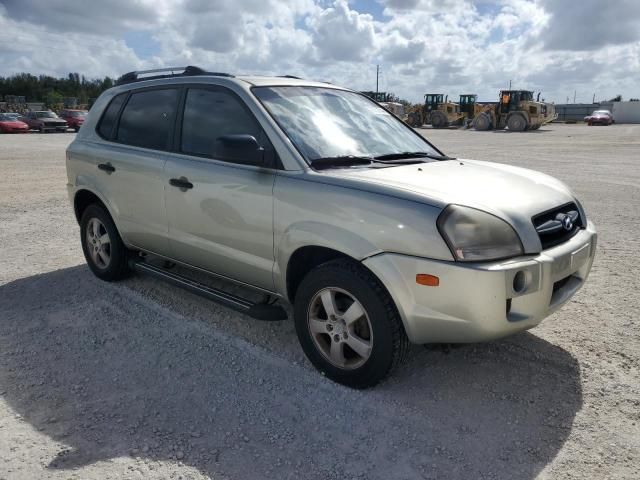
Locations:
(558, 225)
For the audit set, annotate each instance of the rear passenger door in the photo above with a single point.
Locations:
(139, 126)
(224, 222)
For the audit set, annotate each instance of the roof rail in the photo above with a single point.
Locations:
(188, 71)
(290, 76)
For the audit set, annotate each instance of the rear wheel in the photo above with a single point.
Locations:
(348, 325)
(516, 123)
(103, 249)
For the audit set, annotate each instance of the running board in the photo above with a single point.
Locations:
(259, 311)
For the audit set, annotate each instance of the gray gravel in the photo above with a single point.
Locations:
(142, 380)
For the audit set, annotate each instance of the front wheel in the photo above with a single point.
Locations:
(103, 249)
(516, 123)
(348, 325)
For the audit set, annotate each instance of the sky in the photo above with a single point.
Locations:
(586, 47)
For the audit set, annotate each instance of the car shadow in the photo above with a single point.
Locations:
(109, 373)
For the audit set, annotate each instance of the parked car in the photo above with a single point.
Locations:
(312, 194)
(75, 118)
(9, 124)
(44, 121)
(599, 117)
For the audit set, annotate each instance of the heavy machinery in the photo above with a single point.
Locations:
(437, 111)
(515, 110)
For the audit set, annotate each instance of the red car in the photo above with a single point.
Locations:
(75, 118)
(599, 117)
(10, 124)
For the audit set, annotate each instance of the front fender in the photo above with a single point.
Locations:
(317, 234)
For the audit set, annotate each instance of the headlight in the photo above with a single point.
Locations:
(474, 235)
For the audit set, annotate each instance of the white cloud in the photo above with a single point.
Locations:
(442, 46)
(342, 34)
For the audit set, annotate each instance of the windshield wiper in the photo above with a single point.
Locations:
(340, 161)
(401, 155)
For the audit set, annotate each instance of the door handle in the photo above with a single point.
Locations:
(182, 183)
(107, 167)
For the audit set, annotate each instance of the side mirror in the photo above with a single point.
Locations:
(241, 148)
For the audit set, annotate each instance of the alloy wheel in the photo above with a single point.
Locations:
(340, 328)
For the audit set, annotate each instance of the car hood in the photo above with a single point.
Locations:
(512, 193)
(52, 120)
(13, 123)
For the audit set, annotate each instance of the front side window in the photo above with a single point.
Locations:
(147, 119)
(326, 122)
(211, 114)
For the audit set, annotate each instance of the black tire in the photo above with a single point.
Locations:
(482, 122)
(414, 120)
(517, 123)
(390, 345)
(118, 266)
(439, 120)
(76, 129)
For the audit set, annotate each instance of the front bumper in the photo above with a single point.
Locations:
(56, 127)
(477, 302)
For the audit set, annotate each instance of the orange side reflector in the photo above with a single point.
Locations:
(428, 280)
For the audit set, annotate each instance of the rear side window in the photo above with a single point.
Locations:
(110, 115)
(210, 114)
(147, 119)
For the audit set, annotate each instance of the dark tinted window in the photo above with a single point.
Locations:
(110, 115)
(210, 114)
(147, 119)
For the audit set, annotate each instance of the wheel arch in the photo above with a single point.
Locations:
(306, 245)
(305, 259)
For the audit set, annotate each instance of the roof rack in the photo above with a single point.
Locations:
(289, 76)
(188, 71)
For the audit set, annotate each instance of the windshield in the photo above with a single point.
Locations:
(76, 114)
(601, 112)
(325, 122)
(6, 117)
(46, 115)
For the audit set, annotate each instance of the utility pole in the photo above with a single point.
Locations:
(377, 76)
(574, 96)
(594, 98)
(509, 84)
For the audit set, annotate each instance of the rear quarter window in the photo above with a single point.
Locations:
(110, 115)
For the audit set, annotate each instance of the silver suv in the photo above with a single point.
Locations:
(315, 195)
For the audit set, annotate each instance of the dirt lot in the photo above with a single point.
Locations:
(142, 380)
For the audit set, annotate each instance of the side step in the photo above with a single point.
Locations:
(259, 311)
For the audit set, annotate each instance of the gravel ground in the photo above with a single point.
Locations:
(141, 380)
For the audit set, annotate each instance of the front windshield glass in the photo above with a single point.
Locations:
(325, 122)
(6, 117)
(46, 115)
(77, 114)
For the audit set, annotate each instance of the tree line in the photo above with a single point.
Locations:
(52, 91)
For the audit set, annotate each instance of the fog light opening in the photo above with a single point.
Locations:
(520, 281)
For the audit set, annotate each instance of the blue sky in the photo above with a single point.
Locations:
(449, 46)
